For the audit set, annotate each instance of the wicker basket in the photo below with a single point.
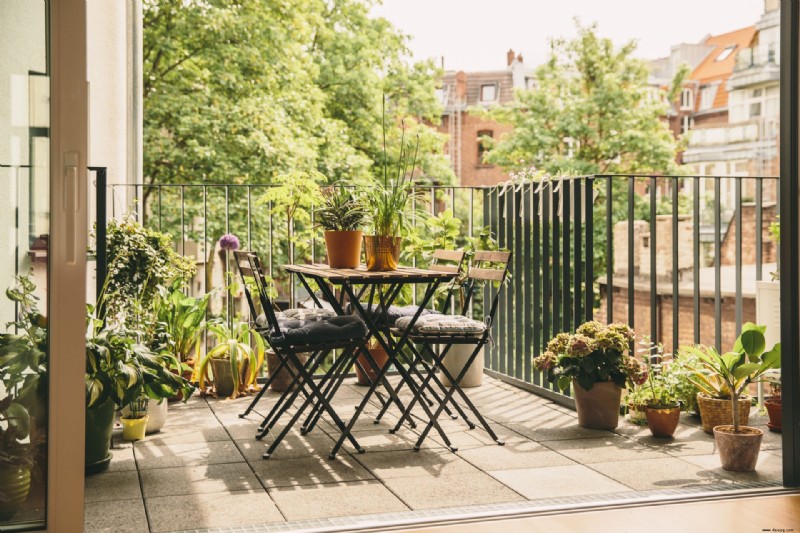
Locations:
(714, 412)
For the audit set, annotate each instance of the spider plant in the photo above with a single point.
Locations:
(243, 347)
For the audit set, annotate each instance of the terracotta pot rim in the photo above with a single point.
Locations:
(671, 408)
(350, 231)
(751, 432)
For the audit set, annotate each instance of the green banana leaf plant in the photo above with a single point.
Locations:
(728, 375)
(243, 347)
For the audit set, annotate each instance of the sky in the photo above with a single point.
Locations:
(476, 34)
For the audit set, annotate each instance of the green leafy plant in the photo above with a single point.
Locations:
(243, 347)
(746, 363)
(342, 209)
(775, 235)
(594, 353)
(180, 322)
(140, 261)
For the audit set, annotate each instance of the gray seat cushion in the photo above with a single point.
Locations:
(394, 312)
(333, 329)
(438, 324)
(299, 313)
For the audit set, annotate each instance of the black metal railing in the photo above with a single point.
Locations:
(667, 254)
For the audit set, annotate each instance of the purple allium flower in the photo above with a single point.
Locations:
(229, 242)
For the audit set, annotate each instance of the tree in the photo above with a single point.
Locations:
(591, 111)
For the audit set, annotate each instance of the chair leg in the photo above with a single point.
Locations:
(330, 391)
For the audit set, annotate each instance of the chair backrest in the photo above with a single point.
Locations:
(491, 266)
(454, 261)
(252, 274)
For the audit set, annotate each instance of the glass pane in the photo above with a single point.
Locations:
(24, 229)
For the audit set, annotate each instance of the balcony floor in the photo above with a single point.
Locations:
(204, 469)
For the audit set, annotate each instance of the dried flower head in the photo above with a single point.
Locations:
(546, 361)
(581, 345)
(590, 329)
(611, 339)
(229, 242)
(559, 344)
(636, 371)
(622, 329)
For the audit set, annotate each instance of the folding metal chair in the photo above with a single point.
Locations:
(434, 332)
(288, 338)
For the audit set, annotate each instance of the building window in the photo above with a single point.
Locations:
(687, 99)
(707, 95)
(488, 92)
(687, 123)
(483, 144)
(755, 109)
(726, 53)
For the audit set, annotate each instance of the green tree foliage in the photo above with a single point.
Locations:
(244, 91)
(591, 111)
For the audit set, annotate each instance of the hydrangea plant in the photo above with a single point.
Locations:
(594, 353)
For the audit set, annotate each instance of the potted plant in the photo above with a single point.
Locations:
(232, 365)
(387, 204)
(768, 295)
(748, 361)
(596, 363)
(134, 422)
(20, 445)
(773, 402)
(663, 410)
(340, 216)
(379, 355)
(635, 402)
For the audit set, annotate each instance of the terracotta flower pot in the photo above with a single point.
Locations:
(775, 412)
(598, 408)
(284, 378)
(738, 452)
(344, 248)
(381, 358)
(663, 422)
(382, 253)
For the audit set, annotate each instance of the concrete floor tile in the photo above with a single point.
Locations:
(228, 477)
(557, 428)
(188, 434)
(170, 455)
(105, 486)
(292, 446)
(120, 516)
(768, 468)
(604, 449)
(193, 417)
(514, 454)
(198, 511)
(652, 474)
(388, 465)
(688, 440)
(557, 481)
(309, 471)
(194, 402)
(123, 458)
(336, 499)
(453, 490)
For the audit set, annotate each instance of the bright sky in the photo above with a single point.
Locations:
(476, 34)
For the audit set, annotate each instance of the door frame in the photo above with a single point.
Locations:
(69, 115)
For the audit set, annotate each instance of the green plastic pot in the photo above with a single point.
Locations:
(15, 483)
(99, 425)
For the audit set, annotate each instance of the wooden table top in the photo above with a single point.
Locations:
(362, 275)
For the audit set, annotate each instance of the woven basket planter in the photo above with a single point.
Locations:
(714, 412)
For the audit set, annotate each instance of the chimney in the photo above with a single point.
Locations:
(461, 86)
(519, 58)
(510, 56)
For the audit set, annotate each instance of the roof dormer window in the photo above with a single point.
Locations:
(488, 93)
(726, 52)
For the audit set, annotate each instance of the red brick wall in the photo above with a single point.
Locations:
(768, 246)
(474, 172)
(685, 317)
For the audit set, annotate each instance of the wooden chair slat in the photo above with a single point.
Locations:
(494, 257)
(486, 274)
(448, 255)
(444, 268)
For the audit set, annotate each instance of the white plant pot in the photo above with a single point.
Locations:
(454, 361)
(768, 313)
(156, 415)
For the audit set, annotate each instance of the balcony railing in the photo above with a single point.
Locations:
(612, 248)
(756, 56)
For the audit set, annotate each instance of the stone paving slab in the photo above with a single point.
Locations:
(122, 485)
(557, 481)
(313, 470)
(118, 516)
(169, 455)
(665, 473)
(516, 453)
(451, 490)
(336, 499)
(218, 509)
(604, 449)
(768, 468)
(388, 465)
(292, 446)
(226, 477)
